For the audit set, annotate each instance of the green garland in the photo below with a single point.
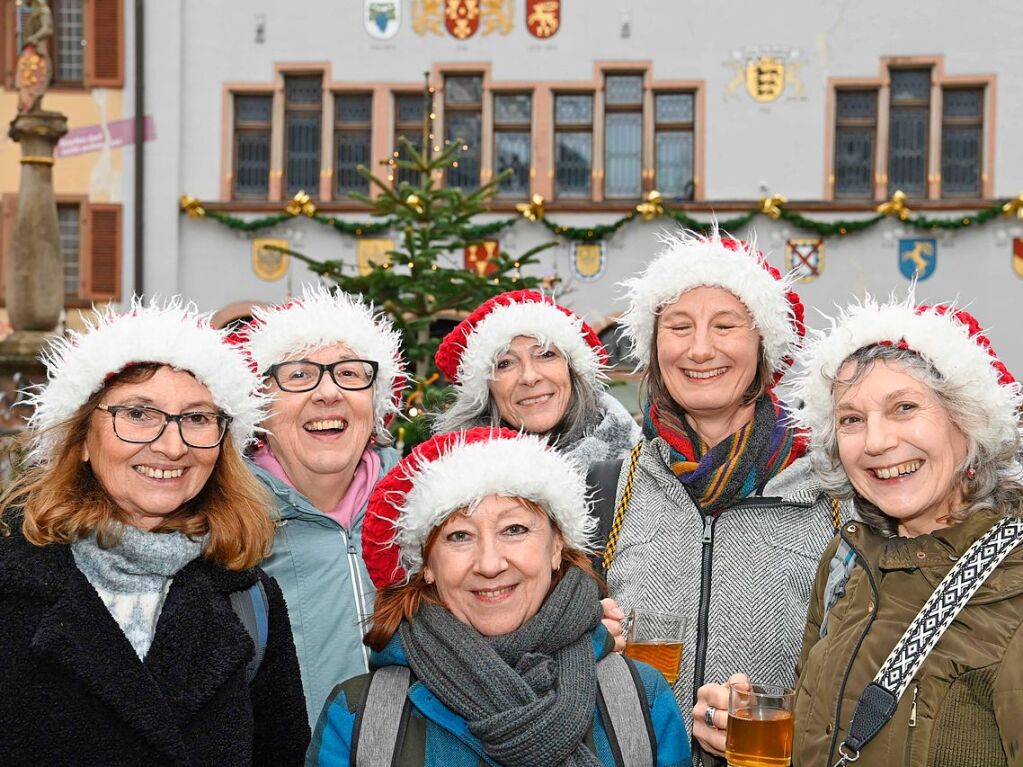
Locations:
(598, 232)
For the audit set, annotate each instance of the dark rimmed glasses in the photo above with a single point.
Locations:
(141, 424)
(305, 375)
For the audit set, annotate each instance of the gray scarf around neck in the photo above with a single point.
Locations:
(528, 695)
(140, 561)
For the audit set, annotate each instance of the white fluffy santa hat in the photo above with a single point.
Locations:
(456, 470)
(691, 260)
(950, 339)
(468, 353)
(174, 333)
(323, 318)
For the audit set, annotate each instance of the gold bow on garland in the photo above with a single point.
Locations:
(771, 206)
(534, 209)
(1014, 207)
(415, 203)
(895, 206)
(191, 206)
(301, 203)
(653, 207)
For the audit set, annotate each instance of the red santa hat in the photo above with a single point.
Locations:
(950, 339)
(468, 353)
(323, 318)
(174, 333)
(456, 470)
(691, 260)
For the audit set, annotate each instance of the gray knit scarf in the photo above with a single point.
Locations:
(529, 695)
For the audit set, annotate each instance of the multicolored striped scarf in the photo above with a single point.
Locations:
(738, 466)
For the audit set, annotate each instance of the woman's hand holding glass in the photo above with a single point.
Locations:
(712, 707)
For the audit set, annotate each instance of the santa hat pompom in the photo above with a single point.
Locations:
(691, 260)
(173, 333)
(950, 339)
(467, 354)
(323, 318)
(456, 470)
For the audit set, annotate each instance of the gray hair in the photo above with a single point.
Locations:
(581, 415)
(998, 480)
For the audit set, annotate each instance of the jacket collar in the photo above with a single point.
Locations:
(186, 665)
(941, 548)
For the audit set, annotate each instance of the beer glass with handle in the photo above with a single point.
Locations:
(760, 723)
(656, 638)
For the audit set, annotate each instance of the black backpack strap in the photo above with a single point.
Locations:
(253, 610)
(621, 702)
(382, 718)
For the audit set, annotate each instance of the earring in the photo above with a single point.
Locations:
(971, 473)
(428, 579)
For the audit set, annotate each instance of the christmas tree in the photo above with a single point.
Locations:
(425, 276)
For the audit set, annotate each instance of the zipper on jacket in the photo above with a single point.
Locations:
(859, 643)
(360, 604)
(912, 710)
(703, 615)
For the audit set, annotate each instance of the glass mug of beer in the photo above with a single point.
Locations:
(656, 638)
(760, 723)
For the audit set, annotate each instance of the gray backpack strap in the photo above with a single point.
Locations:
(382, 717)
(622, 704)
(253, 610)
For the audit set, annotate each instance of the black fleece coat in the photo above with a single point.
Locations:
(73, 691)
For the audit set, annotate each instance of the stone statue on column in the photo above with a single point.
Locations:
(34, 270)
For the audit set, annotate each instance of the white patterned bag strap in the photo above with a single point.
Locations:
(879, 700)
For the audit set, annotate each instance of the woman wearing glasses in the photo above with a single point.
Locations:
(127, 542)
(334, 370)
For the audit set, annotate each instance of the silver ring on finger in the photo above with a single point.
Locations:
(708, 716)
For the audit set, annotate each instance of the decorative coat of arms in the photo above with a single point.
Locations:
(481, 257)
(589, 260)
(1017, 256)
(374, 252)
(918, 257)
(269, 263)
(462, 18)
(381, 18)
(765, 73)
(804, 258)
(543, 17)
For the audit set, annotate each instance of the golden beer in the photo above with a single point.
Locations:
(663, 656)
(759, 737)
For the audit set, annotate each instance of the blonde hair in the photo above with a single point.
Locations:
(61, 500)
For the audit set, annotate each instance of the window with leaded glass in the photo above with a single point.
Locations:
(67, 46)
(513, 114)
(623, 135)
(674, 115)
(962, 123)
(69, 232)
(855, 140)
(573, 145)
(463, 122)
(252, 115)
(409, 110)
(303, 115)
(352, 137)
(908, 128)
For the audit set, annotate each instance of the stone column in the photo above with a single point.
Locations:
(34, 270)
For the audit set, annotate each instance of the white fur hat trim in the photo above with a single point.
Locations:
(524, 467)
(540, 320)
(940, 339)
(690, 260)
(323, 318)
(174, 334)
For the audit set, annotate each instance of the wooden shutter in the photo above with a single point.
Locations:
(101, 253)
(8, 211)
(104, 33)
(8, 43)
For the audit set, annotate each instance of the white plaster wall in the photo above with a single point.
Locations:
(196, 45)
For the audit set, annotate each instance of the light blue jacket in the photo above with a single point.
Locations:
(318, 564)
(438, 737)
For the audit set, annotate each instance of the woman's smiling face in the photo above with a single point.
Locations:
(532, 387)
(899, 447)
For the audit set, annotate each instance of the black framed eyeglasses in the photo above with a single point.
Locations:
(141, 424)
(305, 375)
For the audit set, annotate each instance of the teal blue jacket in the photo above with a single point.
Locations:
(318, 564)
(437, 737)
